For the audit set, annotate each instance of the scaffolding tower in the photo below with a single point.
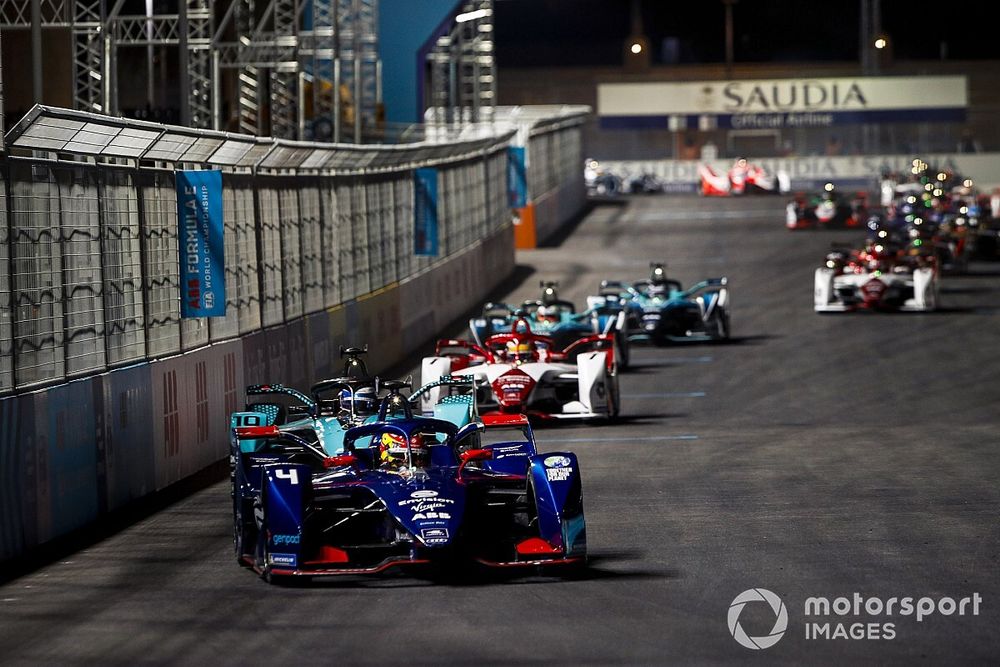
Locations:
(462, 85)
(303, 69)
(84, 19)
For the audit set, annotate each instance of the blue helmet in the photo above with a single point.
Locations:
(361, 400)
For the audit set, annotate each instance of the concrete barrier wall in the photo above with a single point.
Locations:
(557, 206)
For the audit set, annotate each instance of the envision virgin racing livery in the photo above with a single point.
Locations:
(444, 496)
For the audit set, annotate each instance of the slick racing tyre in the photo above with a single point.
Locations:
(721, 322)
(622, 350)
(612, 393)
(241, 533)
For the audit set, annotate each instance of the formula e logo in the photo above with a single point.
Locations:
(556, 462)
(426, 493)
(780, 620)
(285, 539)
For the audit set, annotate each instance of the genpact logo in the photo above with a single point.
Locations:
(780, 620)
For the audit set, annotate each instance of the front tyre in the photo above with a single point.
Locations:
(622, 349)
(721, 331)
(612, 392)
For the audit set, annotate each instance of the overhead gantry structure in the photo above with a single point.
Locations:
(292, 69)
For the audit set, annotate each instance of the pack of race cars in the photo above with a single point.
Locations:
(360, 474)
(928, 225)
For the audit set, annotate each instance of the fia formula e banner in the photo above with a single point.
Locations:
(425, 212)
(517, 178)
(203, 270)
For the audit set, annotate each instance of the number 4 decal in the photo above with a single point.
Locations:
(292, 475)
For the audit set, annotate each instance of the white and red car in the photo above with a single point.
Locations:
(522, 372)
(742, 178)
(874, 281)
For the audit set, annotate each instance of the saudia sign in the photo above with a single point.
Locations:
(789, 95)
(782, 102)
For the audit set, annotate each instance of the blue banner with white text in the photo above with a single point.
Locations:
(517, 178)
(203, 270)
(425, 213)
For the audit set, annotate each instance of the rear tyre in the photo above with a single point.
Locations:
(722, 325)
(239, 533)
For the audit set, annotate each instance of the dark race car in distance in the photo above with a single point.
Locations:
(830, 209)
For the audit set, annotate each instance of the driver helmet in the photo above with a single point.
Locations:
(521, 351)
(362, 400)
(548, 314)
(392, 451)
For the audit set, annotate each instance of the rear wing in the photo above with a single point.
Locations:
(464, 347)
(278, 389)
(444, 380)
(615, 288)
(251, 438)
(604, 342)
(711, 283)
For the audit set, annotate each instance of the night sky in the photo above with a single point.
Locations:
(592, 32)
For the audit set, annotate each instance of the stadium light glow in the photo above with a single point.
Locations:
(636, 48)
(881, 43)
(472, 16)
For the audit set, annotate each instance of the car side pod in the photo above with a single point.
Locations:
(925, 289)
(823, 295)
(556, 484)
(591, 372)
(433, 369)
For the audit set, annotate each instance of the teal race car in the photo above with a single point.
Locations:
(661, 310)
(338, 404)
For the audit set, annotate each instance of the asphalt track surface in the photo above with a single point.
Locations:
(815, 455)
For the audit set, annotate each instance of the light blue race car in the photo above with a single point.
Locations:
(661, 310)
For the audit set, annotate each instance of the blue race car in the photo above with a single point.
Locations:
(407, 491)
(557, 319)
(660, 310)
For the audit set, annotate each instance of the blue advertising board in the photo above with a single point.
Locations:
(199, 238)
(517, 178)
(425, 213)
